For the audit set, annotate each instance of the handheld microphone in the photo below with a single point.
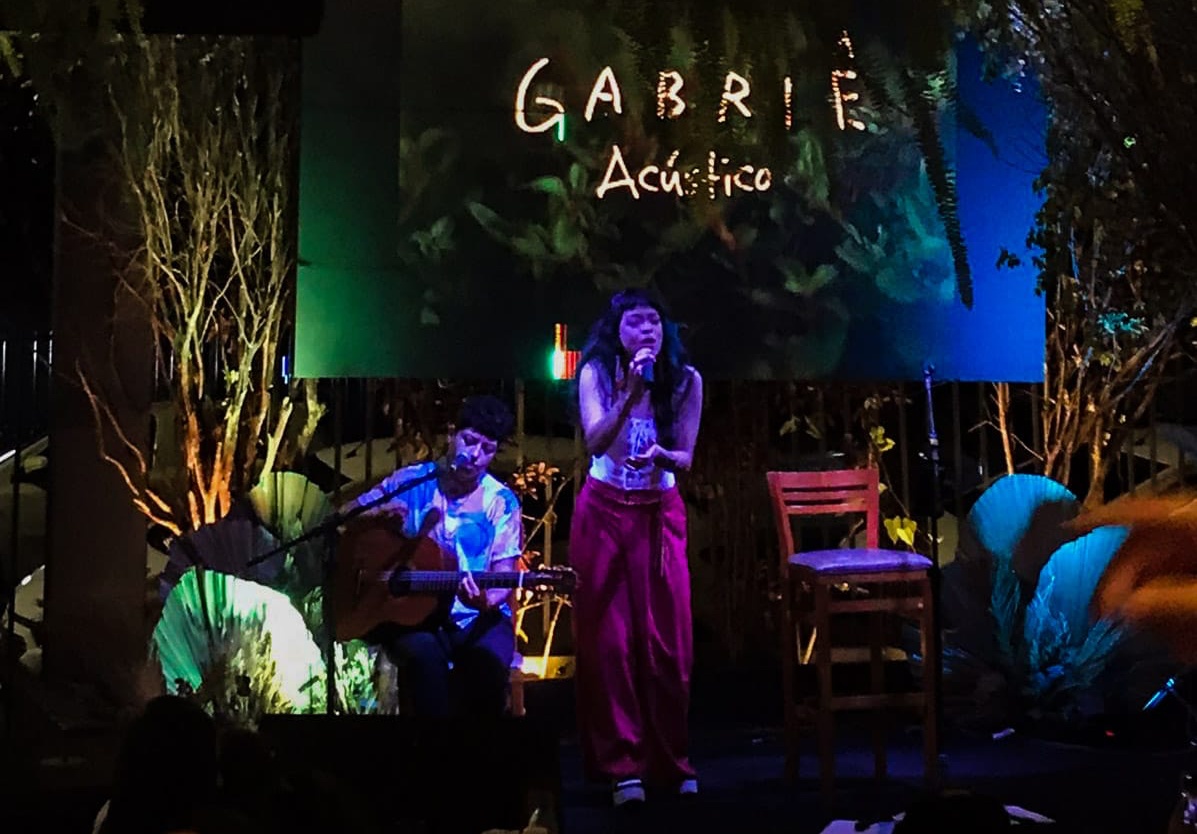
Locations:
(461, 460)
(647, 373)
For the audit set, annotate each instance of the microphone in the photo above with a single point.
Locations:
(647, 373)
(460, 461)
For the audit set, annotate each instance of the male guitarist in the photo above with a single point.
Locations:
(470, 514)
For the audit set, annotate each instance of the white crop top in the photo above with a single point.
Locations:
(640, 433)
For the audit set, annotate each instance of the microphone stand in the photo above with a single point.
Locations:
(8, 677)
(1169, 690)
(935, 639)
(328, 528)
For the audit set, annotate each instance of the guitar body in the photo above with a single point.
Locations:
(370, 549)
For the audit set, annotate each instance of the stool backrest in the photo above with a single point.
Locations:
(832, 492)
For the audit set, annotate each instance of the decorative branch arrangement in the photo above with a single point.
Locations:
(205, 152)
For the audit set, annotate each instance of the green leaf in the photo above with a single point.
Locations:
(494, 225)
(530, 246)
(800, 282)
(8, 54)
(901, 529)
(811, 166)
(566, 240)
(880, 441)
(553, 186)
(442, 230)
(577, 177)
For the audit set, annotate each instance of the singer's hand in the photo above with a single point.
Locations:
(641, 361)
(654, 454)
(470, 595)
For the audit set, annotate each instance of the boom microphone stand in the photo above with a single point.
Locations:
(8, 676)
(328, 528)
(935, 639)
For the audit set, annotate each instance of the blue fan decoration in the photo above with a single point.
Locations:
(1018, 522)
(1020, 642)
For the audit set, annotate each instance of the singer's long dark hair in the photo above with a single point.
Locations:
(672, 376)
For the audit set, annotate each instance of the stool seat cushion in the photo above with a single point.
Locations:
(859, 560)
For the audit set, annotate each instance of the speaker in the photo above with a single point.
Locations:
(440, 776)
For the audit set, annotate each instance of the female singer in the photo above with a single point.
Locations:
(640, 405)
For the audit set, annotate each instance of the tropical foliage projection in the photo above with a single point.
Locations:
(782, 173)
(1021, 646)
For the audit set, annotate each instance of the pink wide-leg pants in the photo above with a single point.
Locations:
(633, 633)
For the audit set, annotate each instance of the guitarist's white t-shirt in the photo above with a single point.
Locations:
(482, 527)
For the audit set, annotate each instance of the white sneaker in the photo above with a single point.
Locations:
(627, 790)
(688, 787)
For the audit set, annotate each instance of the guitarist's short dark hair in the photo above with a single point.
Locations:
(486, 415)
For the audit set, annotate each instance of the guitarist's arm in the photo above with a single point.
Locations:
(396, 509)
(505, 551)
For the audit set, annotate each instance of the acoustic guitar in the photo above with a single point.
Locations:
(381, 576)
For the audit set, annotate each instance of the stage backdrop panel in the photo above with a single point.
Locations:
(790, 177)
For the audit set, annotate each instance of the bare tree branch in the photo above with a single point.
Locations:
(205, 152)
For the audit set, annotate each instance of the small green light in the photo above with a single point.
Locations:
(561, 128)
(557, 364)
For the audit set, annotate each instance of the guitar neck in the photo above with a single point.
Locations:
(431, 581)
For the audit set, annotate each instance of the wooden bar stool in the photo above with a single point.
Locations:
(878, 581)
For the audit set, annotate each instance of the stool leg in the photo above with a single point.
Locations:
(825, 718)
(789, 655)
(517, 693)
(931, 772)
(877, 679)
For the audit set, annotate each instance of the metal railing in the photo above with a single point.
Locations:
(25, 374)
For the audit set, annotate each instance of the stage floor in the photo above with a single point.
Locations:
(1114, 792)
(739, 757)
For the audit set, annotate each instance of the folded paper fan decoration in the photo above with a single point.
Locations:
(289, 505)
(231, 545)
(1003, 512)
(212, 619)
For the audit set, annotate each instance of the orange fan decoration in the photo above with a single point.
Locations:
(1151, 583)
